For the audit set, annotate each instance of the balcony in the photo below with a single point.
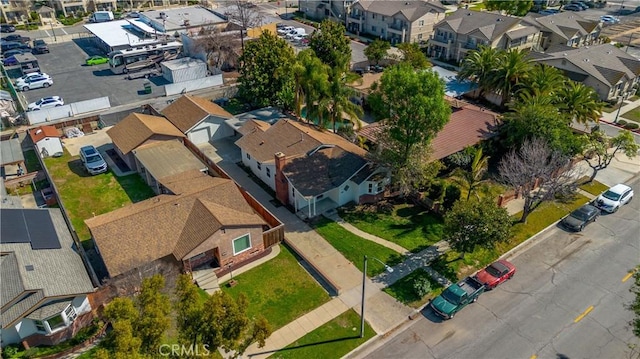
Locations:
(470, 46)
(356, 18)
(441, 40)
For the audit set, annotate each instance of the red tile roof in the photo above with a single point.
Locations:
(42, 132)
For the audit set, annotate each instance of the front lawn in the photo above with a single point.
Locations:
(403, 290)
(409, 226)
(354, 248)
(334, 339)
(544, 216)
(85, 196)
(280, 290)
(594, 187)
(633, 115)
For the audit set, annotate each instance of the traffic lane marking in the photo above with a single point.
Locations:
(626, 277)
(579, 318)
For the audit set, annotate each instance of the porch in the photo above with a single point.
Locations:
(316, 207)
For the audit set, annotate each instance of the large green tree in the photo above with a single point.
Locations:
(473, 177)
(377, 51)
(331, 45)
(413, 110)
(601, 149)
(338, 102)
(188, 309)
(543, 80)
(512, 68)
(478, 66)
(412, 54)
(579, 103)
(471, 224)
(511, 7)
(312, 83)
(266, 78)
(154, 308)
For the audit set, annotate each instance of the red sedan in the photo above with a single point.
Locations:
(496, 273)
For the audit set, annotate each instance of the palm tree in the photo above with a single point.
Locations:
(311, 81)
(511, 69)
(478, 66)
(579, 103)
(543, 80)
(472, 179)
(339, 101)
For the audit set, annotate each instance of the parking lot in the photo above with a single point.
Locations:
(74, 81)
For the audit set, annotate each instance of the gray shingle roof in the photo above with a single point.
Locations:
(565, 24)
(492, 25)
(12, 285)
(604, 62)
(412, 10)
(55, 272)
(49, 309)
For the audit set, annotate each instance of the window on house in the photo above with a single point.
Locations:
(320, 196)
(346, 188)
(373, 29)
(383, 18)
(268, 172)
(71, 314)
(241, 244)
(373, 16)
(370, 187)
(56, 322)
(421, 23)
(420, 36)
(248, 156)
(259, 166)
(40, 326)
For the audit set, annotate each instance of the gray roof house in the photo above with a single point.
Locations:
(465, 30)
(611, 72)
(395, 21)
(566, 28)
(45, 285)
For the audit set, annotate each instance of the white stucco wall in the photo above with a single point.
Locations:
(51, 144)
(212, 127)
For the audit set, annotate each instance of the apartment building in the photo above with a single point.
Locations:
(395, 21)
(465, 30)
(15, 10)
(566, 28)
(335, 10)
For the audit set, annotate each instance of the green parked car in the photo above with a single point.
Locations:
(97, 60)
(456, 297)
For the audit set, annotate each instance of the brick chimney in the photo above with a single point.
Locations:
(282, 185)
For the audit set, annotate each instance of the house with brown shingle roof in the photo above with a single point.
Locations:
(199, 119)
(610, 71)
(565, 28)
(310, 170)
(137, 130)
(467, 126)
(206, 221)
(465, 30)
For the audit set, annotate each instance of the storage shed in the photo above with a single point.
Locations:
(47, 140)
(183, 69)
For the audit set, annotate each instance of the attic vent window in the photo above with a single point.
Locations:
(29, 267)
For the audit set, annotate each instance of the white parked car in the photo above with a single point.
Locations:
(609, 20)
(34, 83)
(614, 198)
(46, 102)
(32, 74)
(284, 30)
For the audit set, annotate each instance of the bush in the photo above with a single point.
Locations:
(631, 126)
(421, 286)
(10, 351)
(436, 190)
(451, 195)
(622, 122)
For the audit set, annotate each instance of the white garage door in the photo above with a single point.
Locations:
(199, 136)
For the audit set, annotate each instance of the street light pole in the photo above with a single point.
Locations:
(619, 108)
(364, 284)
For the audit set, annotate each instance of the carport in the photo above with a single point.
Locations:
(28, 63)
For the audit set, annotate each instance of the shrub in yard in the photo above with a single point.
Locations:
(10, 351)
(421, 286)
(451, 195)
(435, 190)
(631, 126)
(622, 122)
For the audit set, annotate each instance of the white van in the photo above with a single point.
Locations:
(101, 16)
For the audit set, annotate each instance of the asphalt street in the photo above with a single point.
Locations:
(567, 300)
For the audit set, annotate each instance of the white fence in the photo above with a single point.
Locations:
(70, 110)
(192, 85)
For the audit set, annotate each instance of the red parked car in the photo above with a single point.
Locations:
(496, 273)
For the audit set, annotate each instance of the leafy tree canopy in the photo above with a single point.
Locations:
(376, 51)
(412, 54)
(471, 224)
(265, 75)
(331, 45)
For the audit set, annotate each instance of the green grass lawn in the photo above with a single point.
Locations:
(451, 266)
(334, 339)
(409, 226)
(403, 290)
(354, 248)
(633, 115)
(594, 187)
(280, 290)
(85, 196)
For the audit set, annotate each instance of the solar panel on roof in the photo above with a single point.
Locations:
(29, 226)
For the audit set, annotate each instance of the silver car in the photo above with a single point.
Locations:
(92, 160)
